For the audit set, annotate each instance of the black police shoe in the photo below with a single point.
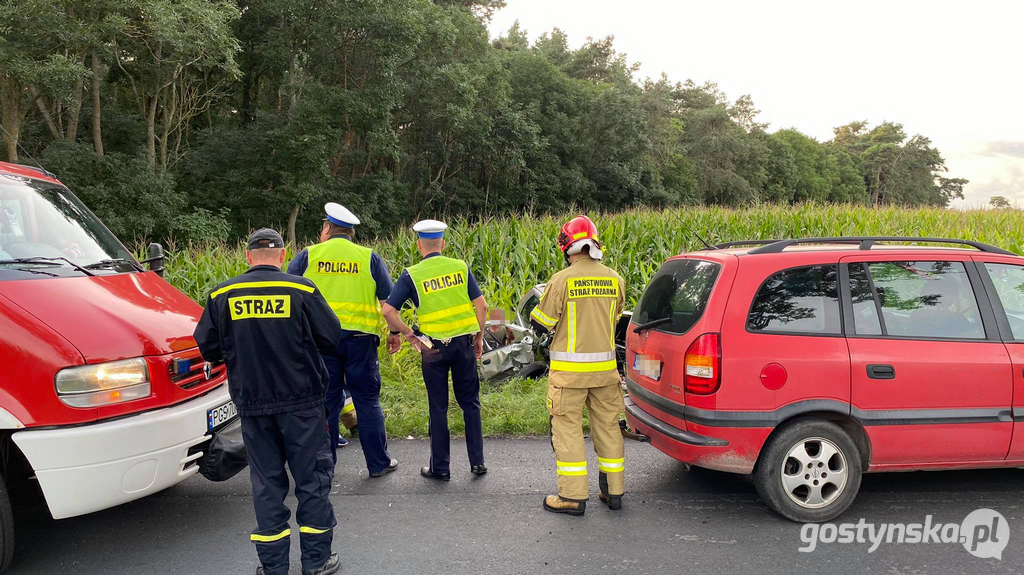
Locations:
(333, 565)
(478, 469)
(429, 474)
(386, 470)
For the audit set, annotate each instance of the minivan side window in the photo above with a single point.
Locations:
(798, 301)
(1009, 283)
(677, 294)
(920, 299)
(866, 310)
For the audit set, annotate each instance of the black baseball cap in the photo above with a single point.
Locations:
(265, 238)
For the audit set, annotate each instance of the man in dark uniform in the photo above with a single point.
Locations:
(354, 281)
(267, 327)
(452, 314)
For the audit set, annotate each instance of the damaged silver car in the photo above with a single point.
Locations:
(513, 349)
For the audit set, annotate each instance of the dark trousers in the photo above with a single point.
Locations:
(300, 440)
(357, 370)
(458, 358)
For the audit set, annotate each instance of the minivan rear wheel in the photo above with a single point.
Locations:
(810, 471)
(6, 528)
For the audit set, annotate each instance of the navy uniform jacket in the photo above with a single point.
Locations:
(269, 328)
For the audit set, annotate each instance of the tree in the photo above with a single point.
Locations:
(34, 62)
(732, 164)
(1000, 203)
(245, 113)
(169, 54)
(898, 169)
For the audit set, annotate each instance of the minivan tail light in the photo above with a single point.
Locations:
(703, 365)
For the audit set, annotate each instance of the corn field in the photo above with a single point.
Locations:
(509, 254)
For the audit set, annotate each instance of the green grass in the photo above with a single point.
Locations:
(514, 407)
(510, 254)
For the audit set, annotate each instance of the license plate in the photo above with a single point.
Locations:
(221, 414)
(647, 366)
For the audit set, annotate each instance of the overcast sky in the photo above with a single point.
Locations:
(951, 72)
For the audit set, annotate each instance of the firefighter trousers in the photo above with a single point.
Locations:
(300, 440)
(604, 404)
(348, 412)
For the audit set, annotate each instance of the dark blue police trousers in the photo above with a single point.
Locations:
(300, 440)
(356, 368)
(458, 358)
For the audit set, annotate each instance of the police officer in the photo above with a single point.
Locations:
(267, 327)
(355, 281)
(452, 313)
(580, 307)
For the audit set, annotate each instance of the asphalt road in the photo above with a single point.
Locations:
(673, 521)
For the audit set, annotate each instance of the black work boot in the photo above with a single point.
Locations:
(614, 502)
(333, 565)
(556, 504)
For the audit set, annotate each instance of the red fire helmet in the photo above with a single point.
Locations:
(577, 233)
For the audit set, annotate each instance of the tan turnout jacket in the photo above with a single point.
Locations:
(581, 305)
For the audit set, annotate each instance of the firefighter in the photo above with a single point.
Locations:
(349, 420)
(579, 309)
(452, 314)
(355, 281)
(267, 326)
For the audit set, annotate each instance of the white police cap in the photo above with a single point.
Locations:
(430, 229)
(339, 215)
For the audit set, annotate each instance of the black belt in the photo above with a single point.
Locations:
(447, 342)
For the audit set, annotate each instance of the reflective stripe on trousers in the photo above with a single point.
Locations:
(611, 465)
(571, 468)
(270, 538)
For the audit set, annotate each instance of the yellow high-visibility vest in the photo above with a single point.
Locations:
(445, 310)
(341, 270)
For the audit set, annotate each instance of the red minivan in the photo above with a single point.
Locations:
(103, 395)
(809, 362)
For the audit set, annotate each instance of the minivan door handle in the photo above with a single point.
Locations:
(881, 372)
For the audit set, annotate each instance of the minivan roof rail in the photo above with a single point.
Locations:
(867, 242)
(743, 243)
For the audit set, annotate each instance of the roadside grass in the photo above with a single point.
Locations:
(513, 407)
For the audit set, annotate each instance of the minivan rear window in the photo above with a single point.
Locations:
(799, 300)
(678, 293)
